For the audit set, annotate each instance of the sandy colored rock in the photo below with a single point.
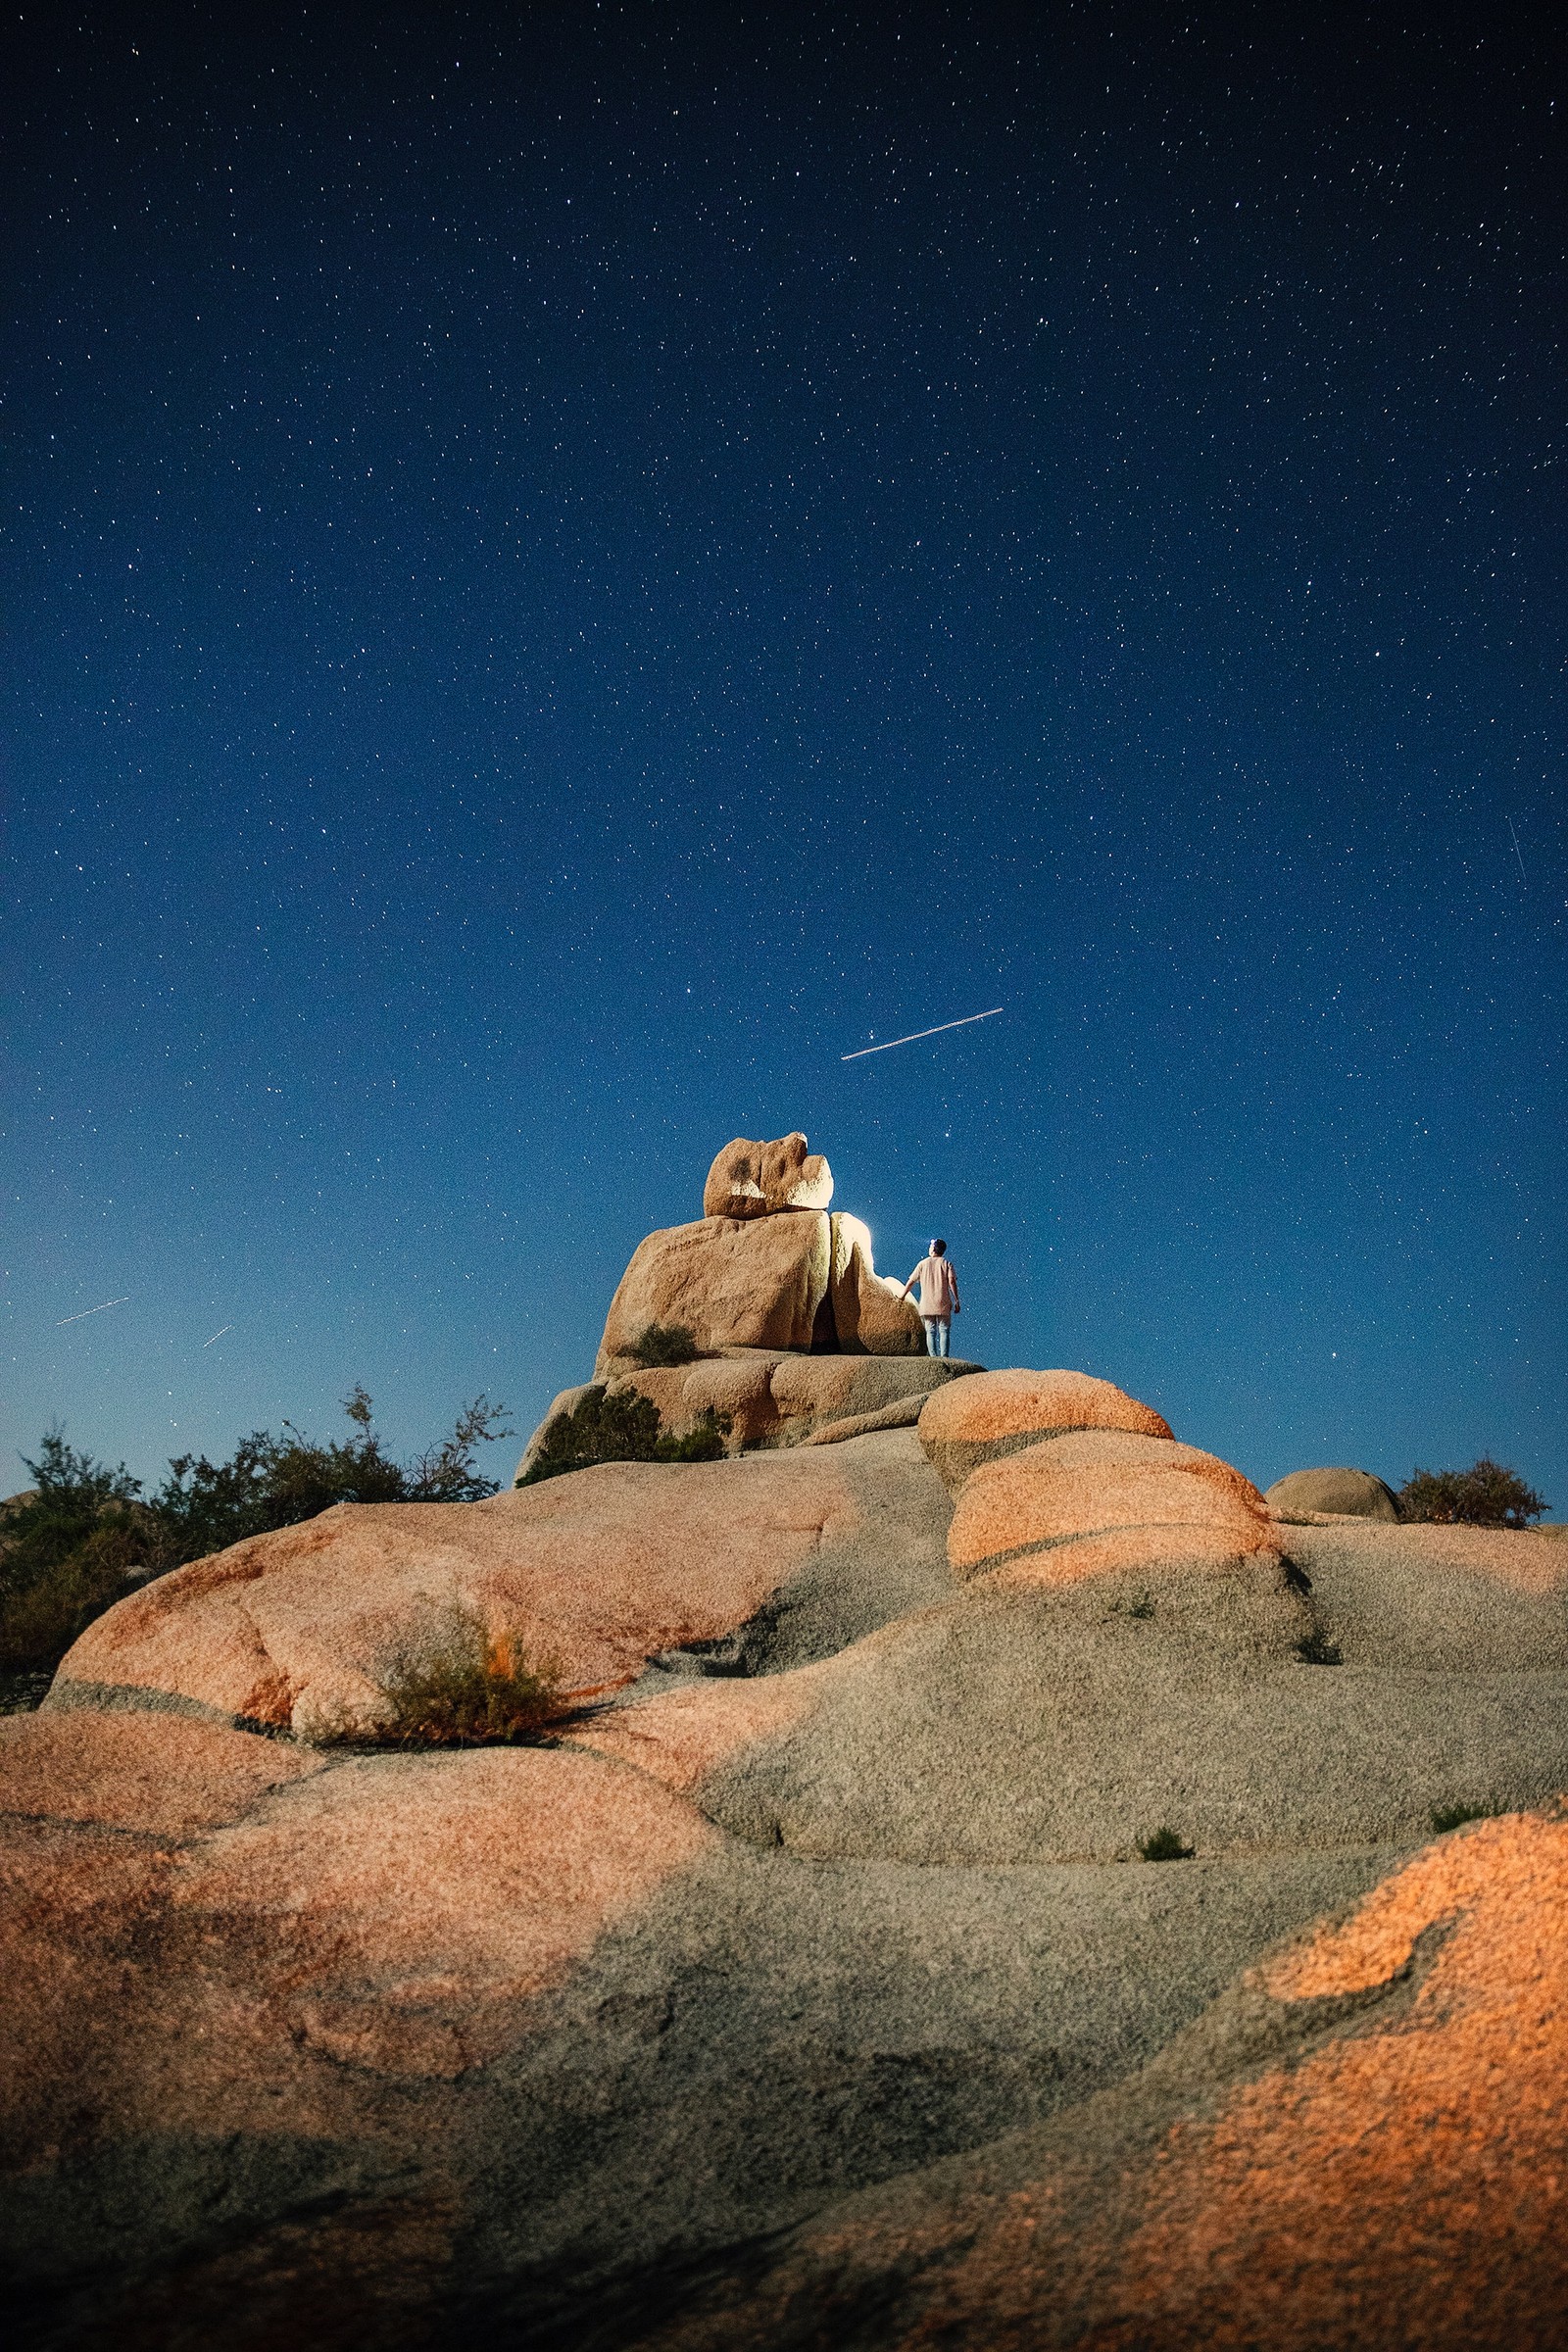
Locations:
(760, 1180)
(775, 1398)
(1352, 1493)
(1094, 1482)
(599, 1570)
(731, 1283)
(1360, 2144)
(165, 1774)
(1003, 1411)
(422, 2032)
(870, 1316)
(1444, 1598)
(1043, 1716)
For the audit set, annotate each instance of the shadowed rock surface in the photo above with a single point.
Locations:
(810, 1989)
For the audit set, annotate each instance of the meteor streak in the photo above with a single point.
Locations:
(861, 1052)
(90, 1311)
(1519, 853)
(218, 1335)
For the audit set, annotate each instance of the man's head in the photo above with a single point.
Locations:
(939, 1249)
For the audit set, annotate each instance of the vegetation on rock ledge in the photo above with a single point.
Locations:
(83, 1535)
(624, 1427)
(1484, 1495)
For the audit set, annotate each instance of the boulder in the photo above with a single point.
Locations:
(759, 1180)
(809, 1987)
(1066, 1721)
(870, 1316)
(599, 1571)
(387, 2051)
(1359, 2143)
(730, 1282)
(774, 1397)
(1349, 1493)
(1003, 1411)
(1093, 1483)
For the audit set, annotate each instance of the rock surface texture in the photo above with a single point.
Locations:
(766, 1266)
(1345, 1493)
(810, 1989)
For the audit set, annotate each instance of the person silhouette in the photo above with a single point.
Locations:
(939, 1296)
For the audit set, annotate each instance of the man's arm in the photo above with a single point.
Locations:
(913, 1279)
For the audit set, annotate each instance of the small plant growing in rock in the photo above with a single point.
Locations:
(1484, 1495)
(1317, 1650)
(454, 1683)
(1143, 1609)
(702, 1442)
(663, 1343)
(1454, 1817)
(1164, 1846)
(623, 1428)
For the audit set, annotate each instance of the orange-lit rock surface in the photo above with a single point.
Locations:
(1091, 1483)
(1001, 1412)
(1360, 2146)
(598, 1571)
(821, 1985)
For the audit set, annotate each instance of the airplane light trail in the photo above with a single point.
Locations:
(218, 1335)
(863, 1050)
(90, 1311)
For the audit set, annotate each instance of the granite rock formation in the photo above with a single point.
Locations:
(810, 1988)
(1342, 1493)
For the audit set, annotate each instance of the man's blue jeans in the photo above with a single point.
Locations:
(938, 1330)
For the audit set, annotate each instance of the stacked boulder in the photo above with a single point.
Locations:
(796, 1335)
(768, 1264)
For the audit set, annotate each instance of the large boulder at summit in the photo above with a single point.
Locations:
(773, 1397)
(1347, 1493)
(1003, 1411)
(730, 1282)
(767, 1266)
(599, 1571)
(759, 1180)
(1359, 2144)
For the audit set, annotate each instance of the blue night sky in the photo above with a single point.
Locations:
(570, 568)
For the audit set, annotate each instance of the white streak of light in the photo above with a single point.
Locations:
(218, 1335)
(915, 1034)
(90, 1311)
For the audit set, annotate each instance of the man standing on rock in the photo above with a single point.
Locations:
(939, 1296)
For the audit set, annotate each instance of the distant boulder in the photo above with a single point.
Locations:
(1347, 1494)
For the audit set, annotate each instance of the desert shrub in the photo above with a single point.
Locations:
(454, 1683)
(1484, 1495)
(82, 1537)
(663, 1343)
(66, 1550)
(1454, 1817)
(1164, 1846)
(598, 1428)
(1317, 1650)
(702, 1442)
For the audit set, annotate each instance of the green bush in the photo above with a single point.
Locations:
(1165, 1846)
(598, 1428)
(1484, 1495)
(82, 1537)
(702, 1442)
(663, 1343)
(454, 1683)
(620, 1427)
(1454, 1817)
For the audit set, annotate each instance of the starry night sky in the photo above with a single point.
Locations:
(570, 568)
